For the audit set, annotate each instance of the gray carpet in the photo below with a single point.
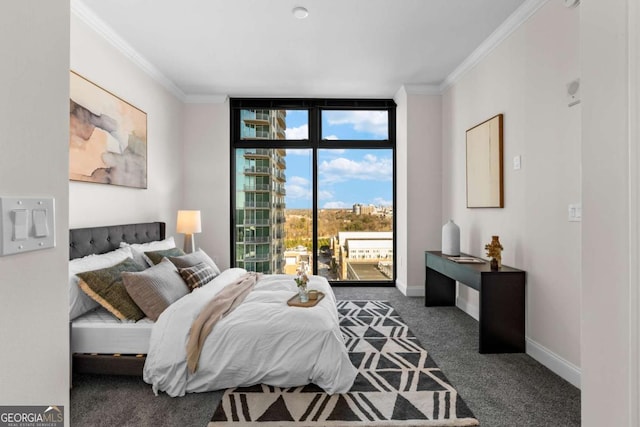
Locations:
(501, 390)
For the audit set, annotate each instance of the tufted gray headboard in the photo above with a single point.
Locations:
(98, 240)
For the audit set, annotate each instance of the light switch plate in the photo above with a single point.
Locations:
(575, 212)
(40, 237)
(516, 163)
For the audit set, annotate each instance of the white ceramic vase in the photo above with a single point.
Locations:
(451, 239)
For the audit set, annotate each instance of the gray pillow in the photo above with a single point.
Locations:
(193, 259)
(155, 288)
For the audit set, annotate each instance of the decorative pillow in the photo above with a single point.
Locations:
(79, 301)
(154, 257)
(194, 258)
(138, 249)
(197, 276)
(155, 288)
(106, 287)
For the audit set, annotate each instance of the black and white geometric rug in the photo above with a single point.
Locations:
(398, 384)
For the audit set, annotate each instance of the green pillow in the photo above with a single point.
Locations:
(154, 257)
(105, 286)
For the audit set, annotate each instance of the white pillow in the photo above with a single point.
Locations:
(138, 249)
(79, 301)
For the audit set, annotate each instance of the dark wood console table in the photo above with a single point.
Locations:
(502, 298)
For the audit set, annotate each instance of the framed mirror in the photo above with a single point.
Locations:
(484, 164)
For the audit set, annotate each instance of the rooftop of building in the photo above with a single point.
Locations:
(368, 272)
(369, 244)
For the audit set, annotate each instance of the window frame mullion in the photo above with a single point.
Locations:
(314, 107)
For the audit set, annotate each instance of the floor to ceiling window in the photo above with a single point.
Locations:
(313, 181)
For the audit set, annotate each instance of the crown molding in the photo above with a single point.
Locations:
(106, 32)
(512, 23)
(421, 89)
(205, 99)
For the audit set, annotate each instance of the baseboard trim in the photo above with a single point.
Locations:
(409, 291)
(562, 367)
(471, 309)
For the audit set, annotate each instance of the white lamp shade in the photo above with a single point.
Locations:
(189, 222)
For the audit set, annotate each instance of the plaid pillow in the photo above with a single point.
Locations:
(198, 275)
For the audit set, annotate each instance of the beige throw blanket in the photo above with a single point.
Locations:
(220, 306)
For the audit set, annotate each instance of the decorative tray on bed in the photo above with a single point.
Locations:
(294, 301)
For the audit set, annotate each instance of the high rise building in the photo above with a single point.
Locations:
(360, 209)
(260, 194)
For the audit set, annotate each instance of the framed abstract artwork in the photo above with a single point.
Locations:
(484, 164)
(108, 137)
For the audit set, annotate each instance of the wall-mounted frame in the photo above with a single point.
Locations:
(484, 164)
(107, 137)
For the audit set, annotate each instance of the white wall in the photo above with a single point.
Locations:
(402, 179)
(34, 118)
(608, 360)
(525, 78)
(98, 204)
(634, 212)
(418, 185)
(206, 175)
(424, 186)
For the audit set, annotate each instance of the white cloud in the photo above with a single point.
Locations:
(336, 205)
(298, 188)
(331, 137)
(325, 195)
(301, 132)
(298, 180)
(370, 168)
(375, 122)
(379, 201)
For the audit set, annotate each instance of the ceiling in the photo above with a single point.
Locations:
(344, 48)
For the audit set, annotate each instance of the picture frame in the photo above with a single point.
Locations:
(484, 164)
(107, 136)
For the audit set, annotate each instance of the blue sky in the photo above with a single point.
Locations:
(346, 176)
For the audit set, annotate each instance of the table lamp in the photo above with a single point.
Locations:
(189, 223)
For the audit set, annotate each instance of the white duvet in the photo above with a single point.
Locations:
(262, 341)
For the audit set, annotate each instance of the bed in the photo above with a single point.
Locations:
(100, 343)
(262, 341)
